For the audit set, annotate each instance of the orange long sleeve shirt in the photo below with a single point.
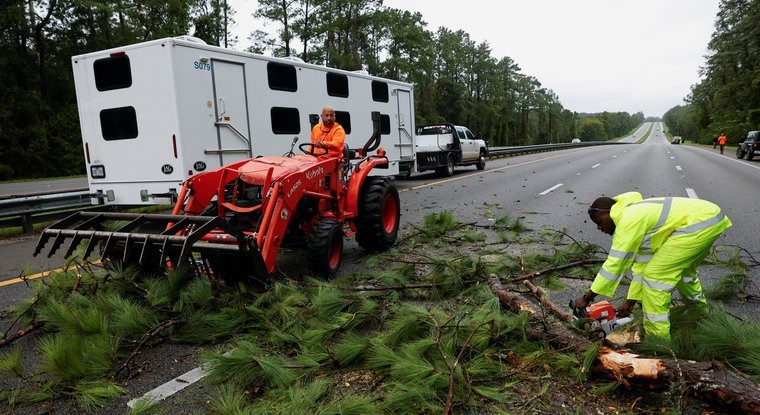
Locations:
(332, 138)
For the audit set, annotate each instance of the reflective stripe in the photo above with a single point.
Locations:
(658, 285)
(697, 297)
(621, 254)
(701, 225)
(640, 259)
(688, 280)
(657, 318)
(637, 278)
(608, 275)
(646, 243)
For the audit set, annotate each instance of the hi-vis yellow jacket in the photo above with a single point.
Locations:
(643, 225)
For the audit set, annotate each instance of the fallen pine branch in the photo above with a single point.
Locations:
(21, 333)
(536, 274)
(707, 381)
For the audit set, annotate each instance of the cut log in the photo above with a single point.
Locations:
(707, 381)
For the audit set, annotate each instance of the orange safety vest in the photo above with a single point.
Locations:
(722, 140)
(333, 139)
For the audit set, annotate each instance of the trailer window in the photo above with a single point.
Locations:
(344, 119)
(337, 85)
(282, 77)
(285, 120)
(385, 124)
(379, 91)
(113, 72)
(118, 123)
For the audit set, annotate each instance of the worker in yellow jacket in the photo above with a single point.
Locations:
(662, 240)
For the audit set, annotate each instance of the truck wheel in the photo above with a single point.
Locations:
(481, 160)
(448, 169)
(739, 153)
(324, 248)
(379, 214)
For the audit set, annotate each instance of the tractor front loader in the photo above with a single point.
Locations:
(231, 223)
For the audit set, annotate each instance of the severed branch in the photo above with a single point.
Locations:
(21, 333)
(709, 381)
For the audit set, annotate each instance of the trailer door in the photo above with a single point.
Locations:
(233, 132)
(405, 140)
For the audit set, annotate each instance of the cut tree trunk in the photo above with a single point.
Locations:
(707, 381)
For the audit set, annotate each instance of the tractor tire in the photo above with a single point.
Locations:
(324, 248)
(448, 169)
(379, 214)
(481, 165)
(739, 153)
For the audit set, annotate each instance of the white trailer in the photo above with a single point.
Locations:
(153, 114)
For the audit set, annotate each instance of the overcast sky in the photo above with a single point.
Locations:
(596, 55)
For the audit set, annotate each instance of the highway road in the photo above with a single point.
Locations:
(545, 190)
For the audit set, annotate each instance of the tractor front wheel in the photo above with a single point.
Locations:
(379, 214)
(324, 248)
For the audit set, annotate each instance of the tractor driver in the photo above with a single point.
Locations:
(328, 135)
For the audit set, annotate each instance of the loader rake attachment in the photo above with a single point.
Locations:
(154, 242)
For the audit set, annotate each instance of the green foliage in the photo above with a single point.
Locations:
(249, 366)
(94, 394)
(10, 363)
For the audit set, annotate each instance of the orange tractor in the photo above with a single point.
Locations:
(231, 223)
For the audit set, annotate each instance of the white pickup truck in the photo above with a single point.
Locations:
(440, 147)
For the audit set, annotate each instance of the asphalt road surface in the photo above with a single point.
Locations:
(546, 190)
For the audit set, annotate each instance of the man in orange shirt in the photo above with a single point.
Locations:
(722, 141)
(328, 135)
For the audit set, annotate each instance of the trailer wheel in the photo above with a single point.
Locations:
(481, 160)
(379, 214)
(324, 248)
(448, 169)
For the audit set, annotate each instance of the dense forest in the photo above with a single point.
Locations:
(456, 79)
(727, 99)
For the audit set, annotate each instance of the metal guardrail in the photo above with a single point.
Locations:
(29, 209)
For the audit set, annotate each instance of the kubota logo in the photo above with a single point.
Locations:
(314, 173)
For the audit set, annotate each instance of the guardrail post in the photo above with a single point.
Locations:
(27, 226)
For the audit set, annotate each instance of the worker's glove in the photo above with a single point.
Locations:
(625, 308)
(579, 306)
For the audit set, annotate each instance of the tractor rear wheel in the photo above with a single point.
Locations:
(324, 248)
(379, 214)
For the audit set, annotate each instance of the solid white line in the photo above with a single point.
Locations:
(171, 387)
(596, 165)
(550, 189)
(692, 194)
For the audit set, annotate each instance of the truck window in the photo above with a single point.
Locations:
(379, 91)
(469, 134)
(337, 85)
(113, 72)
(282, 77)
(118, 123)
(285, 120)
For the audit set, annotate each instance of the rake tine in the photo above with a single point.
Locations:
(90, 247)
(144, 249)
(107, 247)
(57, 242)
(75, 240)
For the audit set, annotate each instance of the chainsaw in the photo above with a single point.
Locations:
(603, 317)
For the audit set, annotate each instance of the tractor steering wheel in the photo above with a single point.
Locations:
(311, 149)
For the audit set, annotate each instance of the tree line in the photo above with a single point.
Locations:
(727, 99)
(456, 79)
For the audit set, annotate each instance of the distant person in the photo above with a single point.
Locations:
(328, 135)
(662, 240)
(722, 141)
(715, 141)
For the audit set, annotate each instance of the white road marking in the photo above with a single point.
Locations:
(596, 165)
(678, 168)
(550, 189)
(692, 194)
(171, 387)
